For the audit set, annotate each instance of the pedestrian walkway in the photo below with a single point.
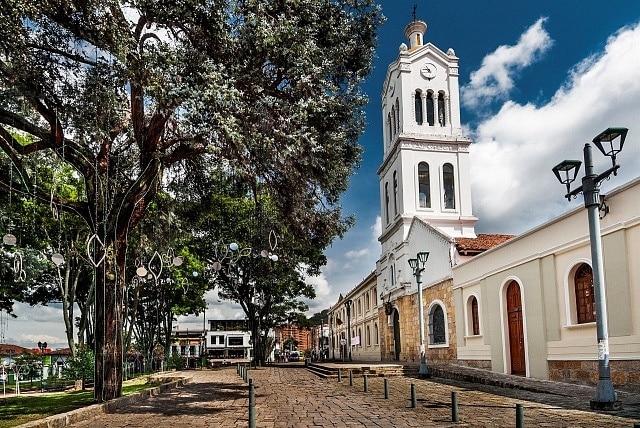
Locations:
(290, 396)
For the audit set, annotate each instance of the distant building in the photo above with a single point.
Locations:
(228, 341)
(189, 344)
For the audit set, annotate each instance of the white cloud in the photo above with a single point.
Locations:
(376, 230)
(513, 186)
(356, 254)
(494, 79)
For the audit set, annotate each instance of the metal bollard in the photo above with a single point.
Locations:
(386, 388)
(366, 383)
(519, 416)
(414, 399)
(454, 407)
(252, 405)
(350, 377)
(339, 375)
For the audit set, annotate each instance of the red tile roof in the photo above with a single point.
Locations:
(483, 242)
(13, 349)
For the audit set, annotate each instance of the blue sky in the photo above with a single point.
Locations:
(539, 79)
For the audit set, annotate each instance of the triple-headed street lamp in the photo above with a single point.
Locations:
(417, 265)
(566, 172)
(42, 346)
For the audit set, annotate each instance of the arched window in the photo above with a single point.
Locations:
(585, 300)
(392, 271)
(368, 336)
(397, 115)
(449, 186)
(437, 328)
(430, 120)
(441, 115)
(424, 185)
(389, 127)
(386, 201)
(359, 337)
(359, 307)
(475, 317)
(393, 121)
(367, 302)
(395, 193)
(418, 107)
(375, 327)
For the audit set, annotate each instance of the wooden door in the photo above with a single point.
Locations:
(396, 335)
(516, 330)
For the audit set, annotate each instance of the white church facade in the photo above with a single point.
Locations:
(426, 206)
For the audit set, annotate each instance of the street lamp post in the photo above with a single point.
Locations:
(42, 346)
(417, 265)
(605, 396)
(347, 305)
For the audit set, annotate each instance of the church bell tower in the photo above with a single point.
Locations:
(425, 170)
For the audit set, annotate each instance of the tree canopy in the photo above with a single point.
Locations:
(133, 94)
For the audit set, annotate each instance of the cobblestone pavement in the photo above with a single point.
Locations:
(290, 396)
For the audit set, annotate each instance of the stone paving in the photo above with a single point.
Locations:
(290, 396)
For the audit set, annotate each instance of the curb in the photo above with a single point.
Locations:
(88, 412)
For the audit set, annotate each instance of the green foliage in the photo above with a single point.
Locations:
(80, 366)
(141, 97)
(176, 361)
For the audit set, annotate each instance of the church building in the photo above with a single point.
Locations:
(519, 305)
(425, 194)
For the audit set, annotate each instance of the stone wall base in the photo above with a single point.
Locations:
(623, 372)
(476, 364)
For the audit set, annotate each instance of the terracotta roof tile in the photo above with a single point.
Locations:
(14, 349)
(481, 243)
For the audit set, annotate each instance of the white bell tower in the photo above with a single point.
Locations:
(425, 170)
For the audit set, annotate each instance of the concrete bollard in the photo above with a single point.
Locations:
(454, 407)
(386, 388)
(366, 383)
(252, 404)
(414, 399)
(350, 377)
(519, 416)
(339, 375)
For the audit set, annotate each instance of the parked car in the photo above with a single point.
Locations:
(294, 356)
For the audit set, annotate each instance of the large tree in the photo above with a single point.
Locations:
(132, 92)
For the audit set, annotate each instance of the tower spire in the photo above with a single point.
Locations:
(415, 6)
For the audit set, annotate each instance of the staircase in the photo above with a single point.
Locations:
(330, 370)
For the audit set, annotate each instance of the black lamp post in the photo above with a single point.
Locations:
(417, 265)
(347, 305)
(605, 396)
(42, 346)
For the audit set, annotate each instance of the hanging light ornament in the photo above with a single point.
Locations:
(9, 239)
(57, 259)
(91, 245)
(141, 271)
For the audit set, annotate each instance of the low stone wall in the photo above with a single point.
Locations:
(476, 364)
(623, 373)
(88, 412)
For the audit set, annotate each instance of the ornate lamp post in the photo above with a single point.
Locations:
(417, 265)
(43, 347)
(347, 305)
(605, 396)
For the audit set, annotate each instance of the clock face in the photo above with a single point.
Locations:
(428, 71)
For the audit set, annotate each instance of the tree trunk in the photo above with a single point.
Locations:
(108, 331)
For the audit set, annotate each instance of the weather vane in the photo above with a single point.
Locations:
(415, 6)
